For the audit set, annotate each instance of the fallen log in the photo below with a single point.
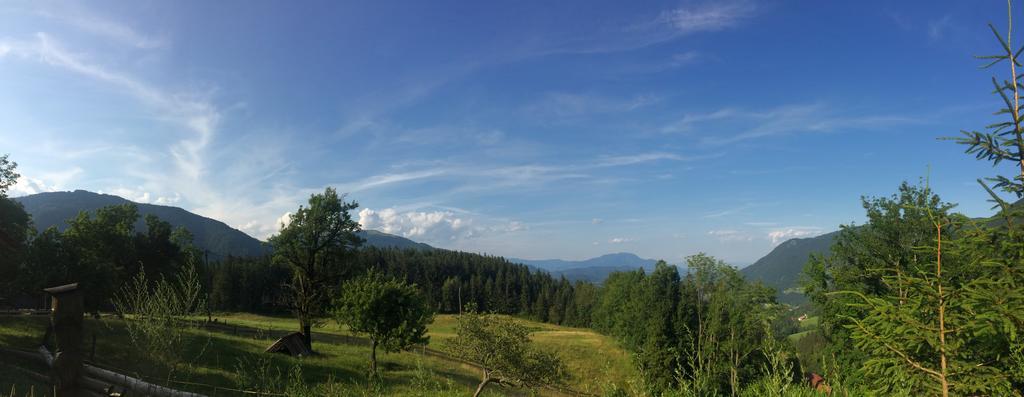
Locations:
(130, 384)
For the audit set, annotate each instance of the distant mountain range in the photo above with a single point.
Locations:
(593, 269)
(219, 239)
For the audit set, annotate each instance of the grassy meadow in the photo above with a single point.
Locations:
(230, 356)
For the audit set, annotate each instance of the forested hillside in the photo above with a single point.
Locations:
(54, 209)
(782, 267)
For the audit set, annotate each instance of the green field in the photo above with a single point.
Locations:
(594, 361)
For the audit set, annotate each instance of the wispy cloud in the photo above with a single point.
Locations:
(730, 235)
(391, 179)
(195, 114)
(666, 26)
(477, 177)
(95, 24)
(564, 105)
(709, 17)
(719, 127)
(938, 27)
(729, 211)
(641, 158)
(620, 240)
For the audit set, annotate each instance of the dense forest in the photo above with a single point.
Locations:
(445, 278)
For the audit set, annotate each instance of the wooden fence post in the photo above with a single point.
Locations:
(67, 310)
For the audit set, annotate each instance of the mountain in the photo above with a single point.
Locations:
(384, 240)
(593, 269)
(782, 267)
(221, 240)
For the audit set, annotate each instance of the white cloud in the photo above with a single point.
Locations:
(596, 221)
(26, 186)
(777, 236)
(45, 182)
(433, 226)
(136, 195)
(165, 200)
(619, 240)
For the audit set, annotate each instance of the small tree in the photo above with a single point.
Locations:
(501, 346)
(314, 244)
(391, 313)
(157, 314)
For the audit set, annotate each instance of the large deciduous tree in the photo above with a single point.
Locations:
(391, 313)
(315, 245)
(501, 346)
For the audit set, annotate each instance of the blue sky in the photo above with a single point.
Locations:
(530, 129)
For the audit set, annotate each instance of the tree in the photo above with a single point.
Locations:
(1005, 140)
(315, 244)
(920, 300)
(938, 330)
(103, 250)
(158, 315)
(8, 176)
(863, 255)
(501, 346)
(391, 313)
(660, 299)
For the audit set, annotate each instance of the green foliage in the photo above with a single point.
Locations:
(8, 176)
(701, 334)
(922, 301)
(862, 256)
(501, 346)
(315, 244)
(96, 251)
(723, 320)
(157, 315)
(392, 314)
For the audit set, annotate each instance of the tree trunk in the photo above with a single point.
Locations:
(373, 357)
(307, 335)
(481, 387)
(943, 378)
